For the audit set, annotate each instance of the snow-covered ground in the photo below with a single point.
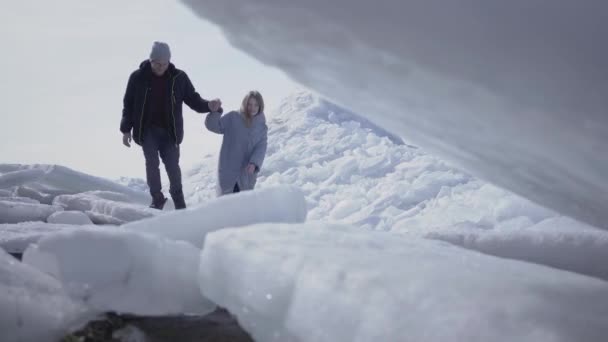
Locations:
(360, 175)
(511, 91)
(398, 245)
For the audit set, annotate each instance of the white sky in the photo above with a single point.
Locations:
(66, 64)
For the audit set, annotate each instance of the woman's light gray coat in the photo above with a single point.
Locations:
(241, 145)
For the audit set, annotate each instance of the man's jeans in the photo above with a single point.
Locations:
(157, 141)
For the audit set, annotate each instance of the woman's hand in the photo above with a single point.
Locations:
(250, 168)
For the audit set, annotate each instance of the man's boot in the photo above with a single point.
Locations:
(158, 201)
(178, 199)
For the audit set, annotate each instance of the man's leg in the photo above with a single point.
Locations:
(150, 146)
(169, 152)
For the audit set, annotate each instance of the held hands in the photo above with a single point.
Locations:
(215, 105)
(250, 168)
(126, 139)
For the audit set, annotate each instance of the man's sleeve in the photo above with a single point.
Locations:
(193, 99)
(126, 123)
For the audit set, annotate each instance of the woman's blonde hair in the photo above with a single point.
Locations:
(259, 99)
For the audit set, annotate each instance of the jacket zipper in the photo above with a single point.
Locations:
(141, 120)
(173, 106)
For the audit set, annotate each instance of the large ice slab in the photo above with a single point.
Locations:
(557, 242)
(111, 269)
(276, 204)
(15, 212)
(33, 306)
(321, 283)
(16, 237)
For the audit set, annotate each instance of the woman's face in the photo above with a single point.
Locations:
(252, 106)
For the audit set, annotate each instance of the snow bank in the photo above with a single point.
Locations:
(56, 180)
(128, 272)
(281, 204)
(460, 79)
(105, 203)
(69, 217)
(556, 242)
(15, 238)
(323, 283)
(33, 306)
(15, 212)
(15, 178)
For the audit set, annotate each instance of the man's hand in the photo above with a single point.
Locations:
(251, 168)
(214, 105)
(126, 139)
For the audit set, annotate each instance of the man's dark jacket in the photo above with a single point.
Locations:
(180, 89)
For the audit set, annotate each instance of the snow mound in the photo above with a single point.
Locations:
(34, 306)
(316, 282)
(35, 192)
(56, 180)
(280, 204)
(357, 175)
(114, 270)
(14, 178)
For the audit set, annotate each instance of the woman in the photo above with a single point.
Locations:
(243, 145)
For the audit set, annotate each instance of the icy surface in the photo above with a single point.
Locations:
(556, 242)
(19, 199)
(43, 198)
(56, 179)
(115, 270)
(511, 91)
(105, 203)
(14, 178)
(15, 212)
(69, 217)
(280, 204)
(33, 306)
(316, 282)
(15, 238)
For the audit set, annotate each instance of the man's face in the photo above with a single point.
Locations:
(159, 67)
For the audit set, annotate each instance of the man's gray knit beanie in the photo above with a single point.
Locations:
(160, 52)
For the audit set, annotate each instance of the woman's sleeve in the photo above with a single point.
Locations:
(216, 122)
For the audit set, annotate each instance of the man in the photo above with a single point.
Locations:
(153, 111)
